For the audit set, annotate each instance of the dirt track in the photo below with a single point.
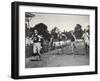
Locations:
(58, 57)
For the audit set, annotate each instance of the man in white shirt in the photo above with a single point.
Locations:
(86, 40)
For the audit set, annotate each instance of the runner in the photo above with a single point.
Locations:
(37, 44)
(73, 39)
(60, 41)
(86, 40)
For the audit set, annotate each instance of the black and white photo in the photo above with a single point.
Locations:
(51, 40)
(54, 40)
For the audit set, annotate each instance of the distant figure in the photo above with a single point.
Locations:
(73, 39)
(88, 29)
(86, 40)
(37, 43)
(60, 41)
(60, 38)
(51, 41)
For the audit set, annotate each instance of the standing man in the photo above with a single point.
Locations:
(37, 43)
(73, 39)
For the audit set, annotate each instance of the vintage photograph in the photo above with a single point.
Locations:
(50, 40)
(56, 40)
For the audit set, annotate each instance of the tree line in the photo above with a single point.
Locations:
(43, 30)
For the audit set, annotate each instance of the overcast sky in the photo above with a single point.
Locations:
(62, 21)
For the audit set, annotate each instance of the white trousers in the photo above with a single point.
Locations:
(37, 47)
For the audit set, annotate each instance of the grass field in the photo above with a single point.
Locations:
(58, 57)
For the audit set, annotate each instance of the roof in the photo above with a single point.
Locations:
(28, 14)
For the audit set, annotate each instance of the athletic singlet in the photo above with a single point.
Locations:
(35, 38)
(72, 38)
(60, 37)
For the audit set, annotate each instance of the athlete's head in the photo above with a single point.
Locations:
(35, 31)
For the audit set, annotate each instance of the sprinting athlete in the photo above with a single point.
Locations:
(86, 40)
(73, 39)
(37, 43)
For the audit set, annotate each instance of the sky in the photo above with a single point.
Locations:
(65, 22)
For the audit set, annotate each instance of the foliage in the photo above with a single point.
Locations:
(42, 30)
(78, 31)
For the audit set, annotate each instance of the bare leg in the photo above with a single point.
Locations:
(61, 48)
(39, 53)
(72, 47)
(86, 48)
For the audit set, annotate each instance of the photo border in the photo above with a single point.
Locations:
(15, 39)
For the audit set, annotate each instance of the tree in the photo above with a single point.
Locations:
(78, 31)
(54, 32)
(42, 30)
